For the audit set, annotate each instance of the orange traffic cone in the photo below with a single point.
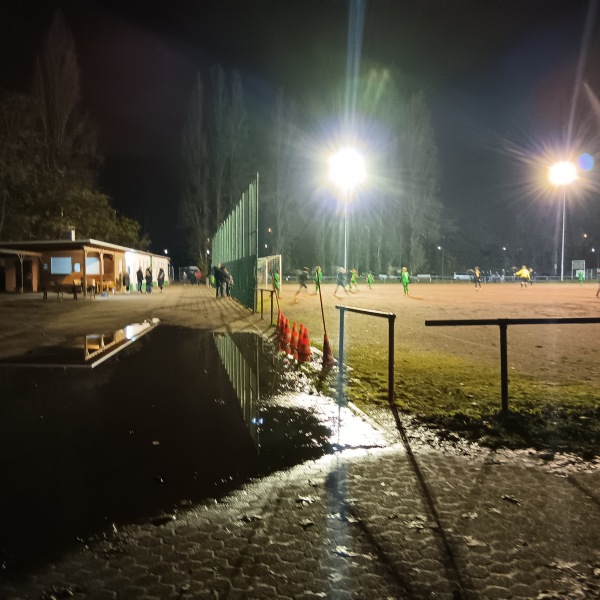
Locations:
(304, 351)
(287, 338)
(281, 332)
(328, 360)
(294, 337)
(283, 342)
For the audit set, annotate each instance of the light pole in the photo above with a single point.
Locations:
(440, 248)
(346, 171)
(562, 173)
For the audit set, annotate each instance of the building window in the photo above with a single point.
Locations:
(60, 265)
(92, 265)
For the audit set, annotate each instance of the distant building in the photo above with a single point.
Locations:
(29, 266)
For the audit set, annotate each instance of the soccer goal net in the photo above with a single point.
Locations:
(266, 267)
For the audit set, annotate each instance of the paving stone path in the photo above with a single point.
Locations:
(357, 524)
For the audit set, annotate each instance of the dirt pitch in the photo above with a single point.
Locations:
(553, 353)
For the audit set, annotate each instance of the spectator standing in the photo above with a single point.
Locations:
(227, 282)
(126, 282)
(148, 281)
(140, 279)
(160, 279)
(219, 280)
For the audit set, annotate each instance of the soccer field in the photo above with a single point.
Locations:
(553, 353)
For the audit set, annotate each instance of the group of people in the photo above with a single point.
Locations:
(144, 280)
(193, 275)
(348, 282)
(524, 276)
(222, 281)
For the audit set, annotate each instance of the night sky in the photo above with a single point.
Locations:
(499, 78)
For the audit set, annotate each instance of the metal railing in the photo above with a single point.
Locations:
(391, 317)
(503, 326)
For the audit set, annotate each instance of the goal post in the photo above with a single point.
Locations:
(266, 266)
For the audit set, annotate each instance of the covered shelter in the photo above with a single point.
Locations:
(19, 270)
(92, 265)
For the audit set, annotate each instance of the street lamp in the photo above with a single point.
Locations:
(562, 173)
(440, 248)
(347, 171)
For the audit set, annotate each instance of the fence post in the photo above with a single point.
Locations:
(391, 322)
(503, 324)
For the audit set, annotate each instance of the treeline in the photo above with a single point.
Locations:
(395, 219)
(50, 161)
(50, 157)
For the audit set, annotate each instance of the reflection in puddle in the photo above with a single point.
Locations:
(176, 418)
(87, 351)
(243, 372)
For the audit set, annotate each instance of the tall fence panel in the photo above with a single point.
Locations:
(235, 245)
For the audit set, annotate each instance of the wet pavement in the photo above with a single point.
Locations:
(142, 478)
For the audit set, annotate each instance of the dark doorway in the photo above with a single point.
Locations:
(27, 275)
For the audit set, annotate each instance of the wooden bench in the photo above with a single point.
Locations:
(60, 289)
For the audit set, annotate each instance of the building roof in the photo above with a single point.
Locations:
(15, 251)
(69, 245)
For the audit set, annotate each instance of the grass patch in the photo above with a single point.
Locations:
(450, 394)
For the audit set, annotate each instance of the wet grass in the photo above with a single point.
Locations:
(449, 394)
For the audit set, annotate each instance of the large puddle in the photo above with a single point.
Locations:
(175, 418)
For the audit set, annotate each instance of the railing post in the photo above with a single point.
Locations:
(391, 322)
(502, 323)
(341, 396)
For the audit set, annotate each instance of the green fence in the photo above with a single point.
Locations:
(235, 245)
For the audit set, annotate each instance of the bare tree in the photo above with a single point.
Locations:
(57, 90)
(240, 168)
(422, 209)
(283, 172)
(195, 211)
(227, 141)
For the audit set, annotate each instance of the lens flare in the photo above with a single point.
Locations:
(586, 162)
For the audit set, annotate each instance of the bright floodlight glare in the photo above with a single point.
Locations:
(562, 173)
(347, 169)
